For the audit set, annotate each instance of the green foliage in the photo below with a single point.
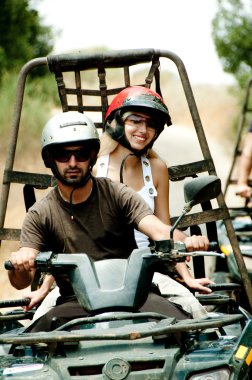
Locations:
(40, 99)
(22, 35)
(232, 35)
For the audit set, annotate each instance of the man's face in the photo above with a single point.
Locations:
(72, 162)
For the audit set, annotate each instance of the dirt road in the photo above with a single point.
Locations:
(179, 145)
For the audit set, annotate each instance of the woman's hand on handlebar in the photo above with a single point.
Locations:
(199, 284)
(35, 296)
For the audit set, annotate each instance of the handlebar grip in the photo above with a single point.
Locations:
(225, 286)
(8, 265)
(14, 303)
(213, 246)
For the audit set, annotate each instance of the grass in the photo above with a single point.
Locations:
(39, 99)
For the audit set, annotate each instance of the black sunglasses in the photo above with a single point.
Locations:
(64, 155)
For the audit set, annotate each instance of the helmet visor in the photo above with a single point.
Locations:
(152, 122)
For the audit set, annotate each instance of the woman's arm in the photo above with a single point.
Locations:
(161, 183)
(37, 296)
(197, 284)
(245, 167)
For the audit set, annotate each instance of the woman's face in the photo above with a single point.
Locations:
(139, 129)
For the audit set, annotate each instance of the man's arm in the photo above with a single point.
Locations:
(23, 261)
(245, 167)
(151, 226)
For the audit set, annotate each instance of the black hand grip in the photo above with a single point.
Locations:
(42, 261)
(14, 303)
(213, 246)
(225, 286)
(8, 265)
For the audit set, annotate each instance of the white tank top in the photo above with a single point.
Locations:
(148, 191)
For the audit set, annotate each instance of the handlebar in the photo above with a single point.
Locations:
(226, 286)
(14, 303)
(213, 246)
(176, 251)
(8, 265)
(165, 249)
(201, 253)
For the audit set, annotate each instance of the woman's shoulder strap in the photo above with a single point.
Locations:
(147, 176)
(102, 166)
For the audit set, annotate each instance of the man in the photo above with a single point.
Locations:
(84, 214)
(245, 166)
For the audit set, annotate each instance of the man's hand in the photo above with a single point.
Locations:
(24, 259)
(23, 262)
(196, 243)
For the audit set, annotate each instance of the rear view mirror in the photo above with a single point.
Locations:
(197, 191)
(202, 189)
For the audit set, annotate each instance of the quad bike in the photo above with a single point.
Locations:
(127, 345)
(241, 214)
(242, 223)
(116, 341)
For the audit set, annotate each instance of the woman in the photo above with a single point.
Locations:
(134, 120)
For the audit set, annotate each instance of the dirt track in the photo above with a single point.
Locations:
(179, 145)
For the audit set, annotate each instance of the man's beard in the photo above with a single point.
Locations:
(73, 179)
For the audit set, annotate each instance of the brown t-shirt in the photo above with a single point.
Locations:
(102, 226)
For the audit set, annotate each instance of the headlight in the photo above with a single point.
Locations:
(217, 374)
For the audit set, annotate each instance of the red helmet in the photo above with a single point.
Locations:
(141, 98)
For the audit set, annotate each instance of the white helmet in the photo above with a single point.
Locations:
(69, 128)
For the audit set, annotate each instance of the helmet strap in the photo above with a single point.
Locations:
(86, 178)
(122, 165)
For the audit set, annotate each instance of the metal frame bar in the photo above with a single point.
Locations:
(121, 59)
